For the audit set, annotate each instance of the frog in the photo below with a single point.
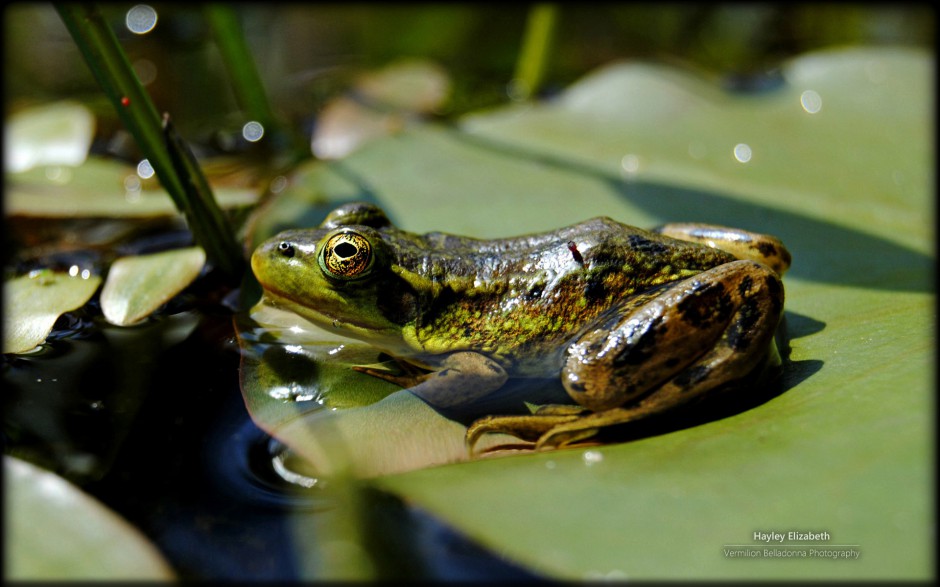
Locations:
(633, 322)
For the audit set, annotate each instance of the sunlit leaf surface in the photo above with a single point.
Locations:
(137, 286)
(55, 532)
(52, 134)
(32, 303)
(837, 161)
(98, 187)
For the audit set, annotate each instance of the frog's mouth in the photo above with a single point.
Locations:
(358, 329)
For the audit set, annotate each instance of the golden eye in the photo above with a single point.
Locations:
(346, 255)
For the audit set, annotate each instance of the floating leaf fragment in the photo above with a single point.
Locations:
(32, 303)
(55, 531)
(138, 285)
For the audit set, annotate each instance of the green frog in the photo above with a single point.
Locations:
(634, 322)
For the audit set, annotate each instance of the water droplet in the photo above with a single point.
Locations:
(811, 101)
(697, 150)
(630, 164)
(742, 152)
(58, 174)
(141, 19)
(146, 71)
(144, 169)
(592, 457)
(253, 131)
(517, 90)
(132, 187)
(549, 464)
(278, 184)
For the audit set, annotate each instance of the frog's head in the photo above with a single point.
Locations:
(340, 277)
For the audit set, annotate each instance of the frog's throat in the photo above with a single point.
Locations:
(394, 340)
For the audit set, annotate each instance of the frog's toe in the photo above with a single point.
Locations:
(564, 436)
(529, 428)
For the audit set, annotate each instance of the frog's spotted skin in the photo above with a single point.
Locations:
(634, 322)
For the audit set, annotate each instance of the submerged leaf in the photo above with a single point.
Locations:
(136, 286)
(56, 532)
(32, 303)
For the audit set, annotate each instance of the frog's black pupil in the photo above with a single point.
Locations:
(286, 249)
(345, 250)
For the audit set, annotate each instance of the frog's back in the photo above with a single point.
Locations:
(524, 298)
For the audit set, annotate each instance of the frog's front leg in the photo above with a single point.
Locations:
(661, 350)
(459, 379)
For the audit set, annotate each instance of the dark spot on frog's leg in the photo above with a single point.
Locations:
(776, 292)
(691, 377)
(706, 303)
(672, 362)
(767, 249)
(745, 285)
(741, 331)
(575, 386)
(644, 347)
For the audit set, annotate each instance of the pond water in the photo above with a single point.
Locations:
(150, 420)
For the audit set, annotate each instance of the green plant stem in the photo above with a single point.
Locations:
(246, 82)
(536, 48)
(117, 79)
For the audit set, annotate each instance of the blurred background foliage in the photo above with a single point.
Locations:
(307, 54)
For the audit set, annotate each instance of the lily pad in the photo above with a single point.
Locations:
(32, 303)
(842, 175)
(137, 286)
(55, 532)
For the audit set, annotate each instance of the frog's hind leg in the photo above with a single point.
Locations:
(662, 351)
(742, 346)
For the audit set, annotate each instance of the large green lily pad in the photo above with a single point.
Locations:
(836, 162)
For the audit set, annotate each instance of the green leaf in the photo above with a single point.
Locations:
(843, 446)
(59, 133)
(56, 532)
(380, 103)
(137, 286)
(32, 303)
(97, 188)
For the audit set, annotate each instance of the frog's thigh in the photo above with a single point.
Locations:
(463, 378)
(696, 334)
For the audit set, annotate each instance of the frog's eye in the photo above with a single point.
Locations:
(346, 255)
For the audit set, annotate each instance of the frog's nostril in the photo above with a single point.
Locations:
(286, 249)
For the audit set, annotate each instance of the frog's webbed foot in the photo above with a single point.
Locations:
(534, 427)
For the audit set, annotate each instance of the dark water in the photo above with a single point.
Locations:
(150, 420)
